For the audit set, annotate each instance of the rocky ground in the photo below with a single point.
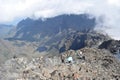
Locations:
(87, 64)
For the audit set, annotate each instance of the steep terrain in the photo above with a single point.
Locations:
(112, 45)
(96, 65)
(78, 40)
(60, 33)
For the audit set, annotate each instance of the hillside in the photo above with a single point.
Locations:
(96, 65)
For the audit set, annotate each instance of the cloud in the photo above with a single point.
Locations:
(107, 12)
(12, 9)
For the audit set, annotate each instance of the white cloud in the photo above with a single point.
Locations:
(108, 10)
(12, 9)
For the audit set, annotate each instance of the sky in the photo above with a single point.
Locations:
(106, 12)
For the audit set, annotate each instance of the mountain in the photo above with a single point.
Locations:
(80, 40)
(4, 30)
(64, 47)
(72, 40)
(34, 30)
(60, 33)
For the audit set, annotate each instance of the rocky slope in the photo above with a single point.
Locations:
(9, 49)
(77, 40)
(112, 45)
(96, 65)
(66, 40)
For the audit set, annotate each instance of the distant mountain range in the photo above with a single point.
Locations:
(34, 30)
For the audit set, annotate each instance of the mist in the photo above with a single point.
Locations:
(106, 12)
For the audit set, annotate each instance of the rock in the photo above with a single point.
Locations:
(112, 45)
(46, 74)
(98, 64)
(75, 76)
(78, 40)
